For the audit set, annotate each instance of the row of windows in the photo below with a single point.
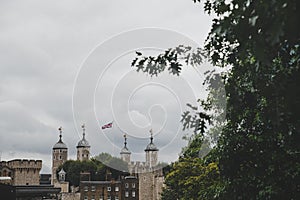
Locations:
(60, 158)
(93, 188)
(127, 185)
(61, 151)
(109, 197)
(101, 198)
(132, 194)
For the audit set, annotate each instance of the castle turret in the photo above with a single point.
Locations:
(83, 147)
(151, 152)
(125, 153)
(62, 175)
(59, 156)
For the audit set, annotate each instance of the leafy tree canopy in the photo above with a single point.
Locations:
(98, 167)
(258, 149)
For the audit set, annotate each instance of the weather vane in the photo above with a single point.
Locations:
(60, 131)
(151, 131)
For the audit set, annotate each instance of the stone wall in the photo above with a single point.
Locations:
(59, 156)
(25, 172)
(83, 153)
(151, 185)
(70, 196)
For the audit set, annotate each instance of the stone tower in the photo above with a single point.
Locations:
(59, 156)
(21, 172)
(151, 153)
(125, 153)
(83, 147)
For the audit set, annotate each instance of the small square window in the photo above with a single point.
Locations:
(86, 188)
(86, 198)
(133, 185)
(126, 194)
(133, 193)
(116, 198)
(108, 188)
(126, 185)
(93, 188)
(116, 188)
(108, 198)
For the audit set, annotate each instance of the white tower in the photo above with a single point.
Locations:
(83, 147)
(59, 156)
(151, 152)
(125, 153)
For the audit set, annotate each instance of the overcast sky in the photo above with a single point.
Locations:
(64, 63)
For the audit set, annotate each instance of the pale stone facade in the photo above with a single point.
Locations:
(125, 153)
(150, 176)
(70, 196)
(22, 172)
(83, 147)
(151, 184)
(59, 156)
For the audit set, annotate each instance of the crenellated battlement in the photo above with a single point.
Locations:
(142, 167)
(23, 164)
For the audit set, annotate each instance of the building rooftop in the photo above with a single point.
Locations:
(60, 144)
(83, 142)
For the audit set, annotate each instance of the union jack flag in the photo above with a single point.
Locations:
(109, 125)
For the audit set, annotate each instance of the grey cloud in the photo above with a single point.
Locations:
(42, 45)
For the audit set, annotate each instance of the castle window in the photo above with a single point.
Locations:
(108, 188)
(126, 194)
(133, 193)
(133, 185)
(59, 157)
(93, 188)
(116, 188)
(126, 185)
(86, 188)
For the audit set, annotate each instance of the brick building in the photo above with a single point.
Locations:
(149, 174)
(125, 188)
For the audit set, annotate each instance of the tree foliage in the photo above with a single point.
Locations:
(193, 177)
(97, 167)
(258, 149)
(73, 168)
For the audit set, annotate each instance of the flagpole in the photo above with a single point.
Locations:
(118, 129)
